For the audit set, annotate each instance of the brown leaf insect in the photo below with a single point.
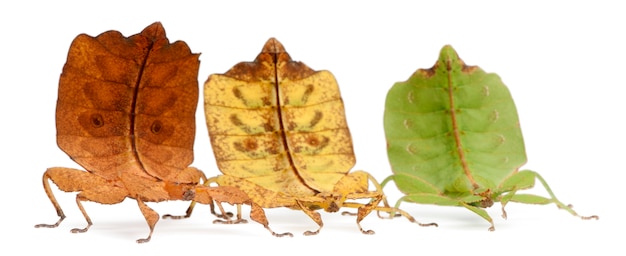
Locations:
(279, 134)
(126, 114)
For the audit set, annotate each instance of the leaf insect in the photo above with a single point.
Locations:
(279, 133)
(454, 139)
(126, 114)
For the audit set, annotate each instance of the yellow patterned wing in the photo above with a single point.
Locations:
(279, 124)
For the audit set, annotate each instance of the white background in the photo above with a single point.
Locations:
(564, 63)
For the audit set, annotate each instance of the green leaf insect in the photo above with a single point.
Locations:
(454, 139)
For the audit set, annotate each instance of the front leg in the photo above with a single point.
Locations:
(364, 209)
(91, 187)
(53, 200)
(315, 216)
(151, 217)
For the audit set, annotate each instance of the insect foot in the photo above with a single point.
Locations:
(454, 139)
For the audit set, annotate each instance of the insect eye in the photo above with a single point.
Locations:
(97, 120)
(156, 127)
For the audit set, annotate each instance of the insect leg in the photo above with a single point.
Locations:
(392, 214)
(91, 187)
(151, 217)
(364, 209)
(481, 212)
(399, 212)
(53, 200)
(258, 214)
(313, 215)
(80, 197)
(202, 196)
(533, 199)
(227, 215)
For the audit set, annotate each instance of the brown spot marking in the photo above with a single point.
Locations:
(291, 126)
(97, 120)
(316, 118)
(156, 127)
(239, 95)
(429, 72)
(234, 119)
(268, 127)
(246, 145)
(272, 147)
(314, 140)
(266, 101)
(307, 93)
(448, 65)
(467, 69)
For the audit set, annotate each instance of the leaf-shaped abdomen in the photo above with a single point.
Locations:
(128, 104)
(453, 126)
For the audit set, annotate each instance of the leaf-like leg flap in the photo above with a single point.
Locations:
(481, 212)
(94, 188)
(151, 217)
(364, 209)
(313, 215)
(372, 195)
(258, 214)
(534, 199)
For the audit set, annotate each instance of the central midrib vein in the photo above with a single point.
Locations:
(133, 108)
(282, 125)
(455, 127)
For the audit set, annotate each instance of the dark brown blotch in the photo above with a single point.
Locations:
(96, 120)
(316, 118)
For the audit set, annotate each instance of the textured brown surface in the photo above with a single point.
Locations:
(126, 113)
